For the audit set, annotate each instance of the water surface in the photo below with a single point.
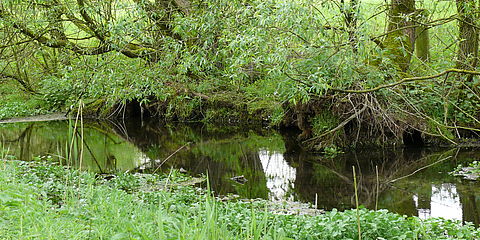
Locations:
(275, 167)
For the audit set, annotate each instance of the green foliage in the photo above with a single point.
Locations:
(471, 171)
(15, 103)
(332, 151)
(93, 208)
(323, 122)
(57, 92)
(183, 108)
(440, 129)
(225, 115)
(276, 116)
(112, 78)
(257, 56)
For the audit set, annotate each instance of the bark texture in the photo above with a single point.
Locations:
(467, 56)
(422, 38)
(399, 42)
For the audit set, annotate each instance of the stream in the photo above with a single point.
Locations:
(271, 161)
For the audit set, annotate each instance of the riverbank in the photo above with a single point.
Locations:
(45, 200)
(277, 68)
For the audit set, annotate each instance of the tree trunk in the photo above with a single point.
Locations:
(422, 39)
(400, 40)
(350, 12)
(468, 34)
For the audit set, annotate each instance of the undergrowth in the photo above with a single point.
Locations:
(47, 201)
(15, 103)
(234, 61)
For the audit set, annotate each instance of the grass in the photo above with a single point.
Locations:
(45, 201)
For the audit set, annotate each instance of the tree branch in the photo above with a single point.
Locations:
(130, 50)
(89, 21)
(24, 84)
(157, 17)
(405, 80)
(342, 124)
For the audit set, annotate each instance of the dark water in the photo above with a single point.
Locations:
(274, 165)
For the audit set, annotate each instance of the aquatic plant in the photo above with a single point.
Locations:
(471, 171)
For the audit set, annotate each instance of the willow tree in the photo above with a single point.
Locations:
(43, 23)
(34, 33)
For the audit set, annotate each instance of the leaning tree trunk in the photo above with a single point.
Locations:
(399, 41)
(467, 56)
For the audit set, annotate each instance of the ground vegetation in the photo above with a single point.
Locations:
(44, 200)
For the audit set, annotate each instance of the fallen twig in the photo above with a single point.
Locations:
(171, 155)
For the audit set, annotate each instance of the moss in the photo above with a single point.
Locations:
(397, 48)
(398, 44)
(422, 40)
(222, 115)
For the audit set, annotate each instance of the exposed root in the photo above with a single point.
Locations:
(364, 118)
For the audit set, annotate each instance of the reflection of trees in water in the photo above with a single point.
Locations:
(220, 154)
(21, 142)
(332, 180)
(24, 140)
(335, 176)
(470, 201)
(102, 149)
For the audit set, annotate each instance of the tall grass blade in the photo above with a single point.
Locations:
(356, 203)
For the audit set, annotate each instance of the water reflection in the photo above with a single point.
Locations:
(280, 175)
(444, 202)
(103, 150)
(275, 166)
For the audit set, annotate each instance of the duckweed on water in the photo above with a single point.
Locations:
(47, 201)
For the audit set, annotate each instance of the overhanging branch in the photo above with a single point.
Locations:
(406, 80)
(130, 50)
